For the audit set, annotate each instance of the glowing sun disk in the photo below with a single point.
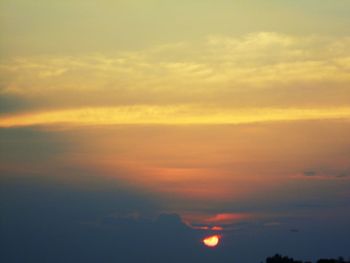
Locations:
(211, 241)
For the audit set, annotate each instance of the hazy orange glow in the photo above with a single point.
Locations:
(211, 241)
(205, 166)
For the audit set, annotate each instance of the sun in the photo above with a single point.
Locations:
(211, 241)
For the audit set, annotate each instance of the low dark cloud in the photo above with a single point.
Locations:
(343, 174)
(327, 173)
(310, 173)
(45, 221)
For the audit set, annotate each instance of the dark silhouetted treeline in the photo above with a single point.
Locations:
(282, 259)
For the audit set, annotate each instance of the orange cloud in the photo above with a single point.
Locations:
(214, 221)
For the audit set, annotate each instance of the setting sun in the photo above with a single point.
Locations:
(211, 241)
(174, 131)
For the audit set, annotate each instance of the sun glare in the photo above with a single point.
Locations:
(211, 241)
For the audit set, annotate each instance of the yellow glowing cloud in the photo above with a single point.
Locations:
(171, 115)
(263, 69)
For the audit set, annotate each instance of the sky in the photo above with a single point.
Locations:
(131, 130)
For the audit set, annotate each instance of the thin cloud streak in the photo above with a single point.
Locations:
(170, 115)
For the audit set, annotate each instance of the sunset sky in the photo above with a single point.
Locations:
(184, 115)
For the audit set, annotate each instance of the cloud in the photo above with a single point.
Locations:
(171, 115)
(327, 173)
(263, 69)
(217, 220)
(310, 173)
(41, 219)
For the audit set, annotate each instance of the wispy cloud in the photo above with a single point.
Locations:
(262, 69)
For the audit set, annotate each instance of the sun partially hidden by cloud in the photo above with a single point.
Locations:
(211, 241)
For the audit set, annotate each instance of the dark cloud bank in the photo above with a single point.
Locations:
(44, 221)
